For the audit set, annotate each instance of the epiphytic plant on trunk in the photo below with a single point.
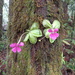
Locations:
(33, 33)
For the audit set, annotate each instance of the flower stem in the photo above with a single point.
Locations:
(41, 39)
(20, 38)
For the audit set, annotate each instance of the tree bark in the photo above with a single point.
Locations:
(1, 6)
(43, 58)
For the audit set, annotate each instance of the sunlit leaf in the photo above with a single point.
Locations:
(56, 24)
(67, 43)
(32, 39)
(46, 23)
(51, 41)
(26, 38)
(35, 25)
(46, 33)
(36, 33)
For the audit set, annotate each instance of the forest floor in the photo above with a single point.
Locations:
(65, 70)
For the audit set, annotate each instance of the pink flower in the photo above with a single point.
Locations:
(16, 47)
(53, 34)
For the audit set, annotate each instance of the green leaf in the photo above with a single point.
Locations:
(46, 23)
(67, 43)
(36, 33)
(46, 33)
(56, 24)
(51, 41)
(32, 39)
(26, 38)
(35, 25)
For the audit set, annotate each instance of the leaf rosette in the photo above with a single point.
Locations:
(33, 33)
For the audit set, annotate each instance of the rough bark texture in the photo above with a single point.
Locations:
(43, 58)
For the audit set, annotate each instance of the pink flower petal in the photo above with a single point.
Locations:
(21, 44)
(18, 49)
(55, 30)
(50, 30)
(14, 50)
(13, 45)
(54, 36)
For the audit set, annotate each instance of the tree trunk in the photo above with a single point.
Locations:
(1, 6)
(43, 58)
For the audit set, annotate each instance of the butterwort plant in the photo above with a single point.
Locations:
(51, 30)
(33, 33)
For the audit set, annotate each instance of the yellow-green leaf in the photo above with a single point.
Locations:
(46, 33)
(26, 38)
(46, 23)
(51, 41)
(36, 33)
(56, 24)
(32, 39)
(35, 25)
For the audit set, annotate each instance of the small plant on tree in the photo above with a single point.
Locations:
(33, 33)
